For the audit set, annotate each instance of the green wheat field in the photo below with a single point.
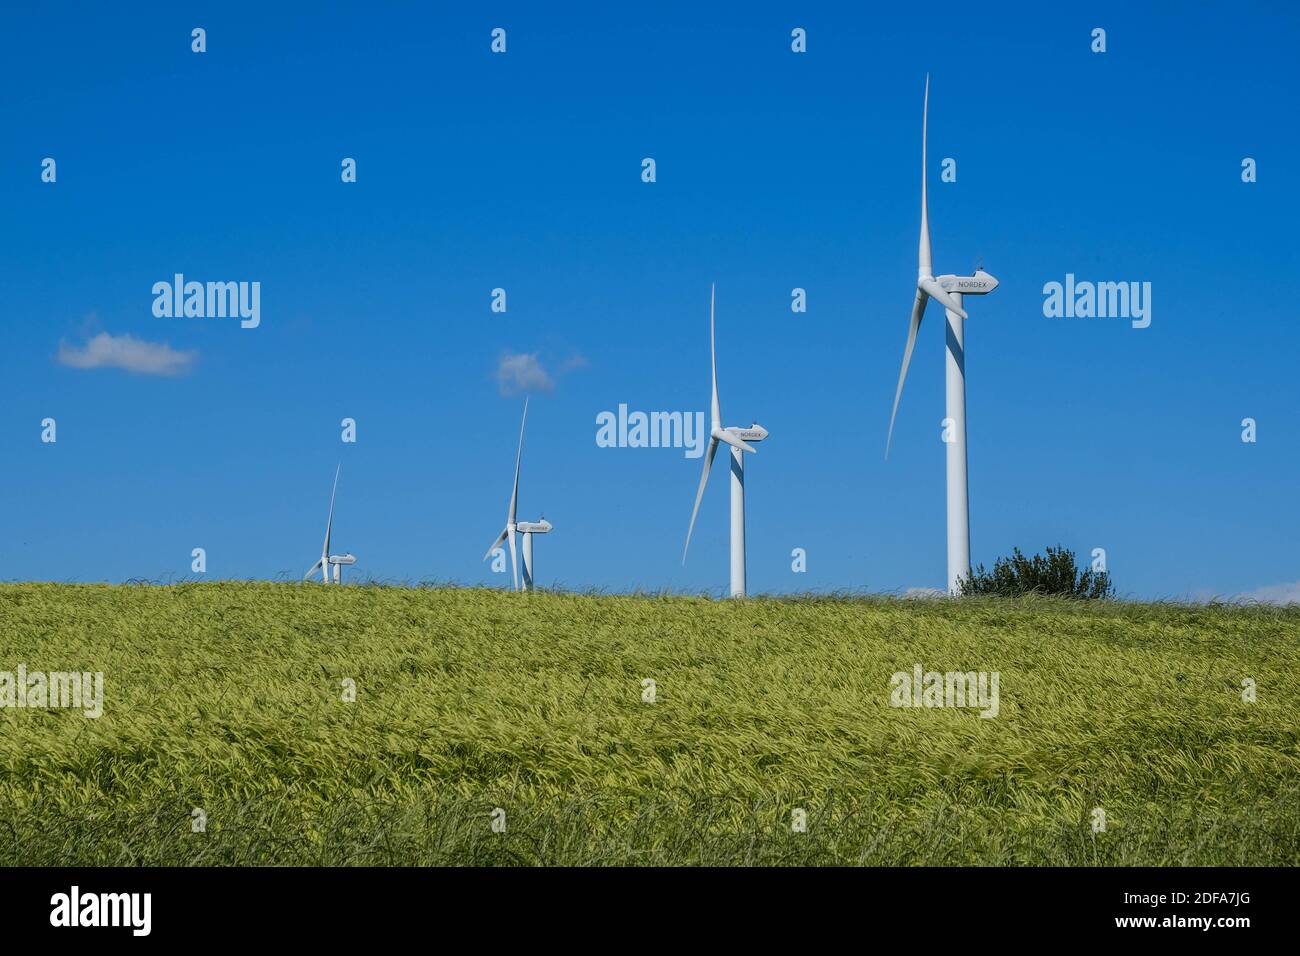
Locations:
(228, 699)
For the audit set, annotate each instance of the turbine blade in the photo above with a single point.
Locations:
(918, 312)
(514, 493)
(312, 569)
(936, 292)
(723, 435)
(492, 547)
(714, 411)
(923, 267)
(514, 559)
(329, 523)
(699, 495)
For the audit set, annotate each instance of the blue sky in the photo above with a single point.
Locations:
(522, 171)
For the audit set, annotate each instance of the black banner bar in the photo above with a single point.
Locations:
(336, 905)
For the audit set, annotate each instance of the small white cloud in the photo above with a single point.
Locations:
(126, 352)
(1274, 594)
(522, 372)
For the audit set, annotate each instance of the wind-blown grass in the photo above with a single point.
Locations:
(227, 697)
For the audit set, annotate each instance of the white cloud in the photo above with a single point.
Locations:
(126, 352)
(524, 372)
(1274, 594)
(520, 372)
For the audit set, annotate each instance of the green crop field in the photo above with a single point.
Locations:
(224, 712)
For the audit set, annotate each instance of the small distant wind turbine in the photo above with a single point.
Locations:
(326, 560)
(948, 290)
(739, 439)
(526, 528)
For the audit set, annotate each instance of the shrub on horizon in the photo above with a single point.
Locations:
(1057, 573)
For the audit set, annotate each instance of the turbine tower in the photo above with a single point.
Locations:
(513, 526)
(327, 560)
(740, 440)
(949, 291)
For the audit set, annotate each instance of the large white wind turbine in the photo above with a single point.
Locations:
(326, 560)
(948, 290)
(739, 439)
(526, 528)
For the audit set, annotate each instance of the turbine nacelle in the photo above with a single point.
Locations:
(534, 527)
(981, 283)
(754, 432)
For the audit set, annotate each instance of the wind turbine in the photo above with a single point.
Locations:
(526, 528)
(326, 560)
(739, 439)
(948, 290)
